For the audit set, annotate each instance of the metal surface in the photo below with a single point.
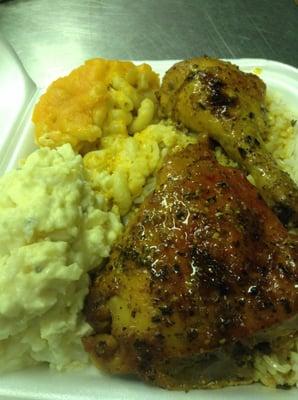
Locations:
(53, 36)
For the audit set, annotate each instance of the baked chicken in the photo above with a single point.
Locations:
(210, 95)
(204, 274)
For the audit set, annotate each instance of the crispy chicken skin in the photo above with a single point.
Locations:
(206, 94)
(202, 269)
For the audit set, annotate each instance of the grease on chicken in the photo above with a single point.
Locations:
(206, 94)
(203, 273)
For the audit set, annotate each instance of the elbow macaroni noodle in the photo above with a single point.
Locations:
(100, 98)
(106, 110)
(121, 168)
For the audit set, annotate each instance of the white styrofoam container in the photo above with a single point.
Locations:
(18, 95)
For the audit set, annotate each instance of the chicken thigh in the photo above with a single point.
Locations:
(204, 273)
(214, 96)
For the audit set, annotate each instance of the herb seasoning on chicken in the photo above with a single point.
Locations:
(204, 274)
(210, 95)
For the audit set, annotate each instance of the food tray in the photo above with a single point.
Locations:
(17, 98)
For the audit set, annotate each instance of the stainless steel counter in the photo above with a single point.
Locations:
(52, 36)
